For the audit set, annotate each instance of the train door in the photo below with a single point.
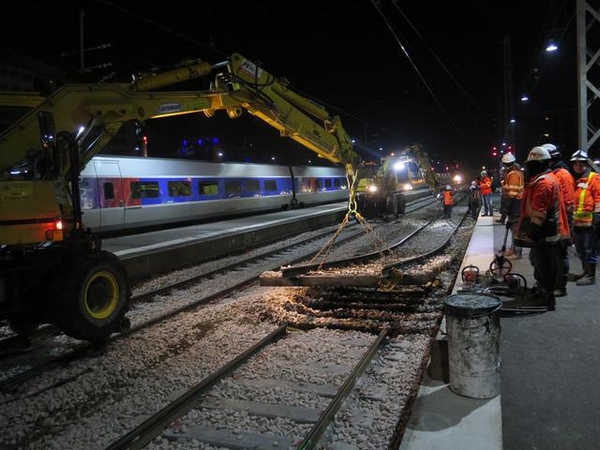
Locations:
(111, 205)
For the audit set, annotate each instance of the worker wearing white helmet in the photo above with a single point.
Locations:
(485, 186)
(447, 200)
(567, 186)
(586, 217)
(513, 184)
(474, 199)
(508, 159)
(542, 226)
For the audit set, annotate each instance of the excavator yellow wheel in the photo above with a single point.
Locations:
(95, 298)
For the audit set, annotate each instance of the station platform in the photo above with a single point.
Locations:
(548, 374)
(149, 254)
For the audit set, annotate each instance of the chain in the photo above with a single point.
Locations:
(375, 238)
(329, 245)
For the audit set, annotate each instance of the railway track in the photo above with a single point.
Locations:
(307, 412)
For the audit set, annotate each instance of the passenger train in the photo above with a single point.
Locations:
(123, 193)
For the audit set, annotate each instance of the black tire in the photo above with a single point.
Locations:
(94, 297)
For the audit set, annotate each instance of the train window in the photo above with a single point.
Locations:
(252, 188)
(271, 186)
(208, 187)
(328, 183)
(181, 188)
(144, 189)
(233, 188)
(319, 184)
(337, 183)
(109, 191)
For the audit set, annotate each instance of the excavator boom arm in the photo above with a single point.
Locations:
(242, 86)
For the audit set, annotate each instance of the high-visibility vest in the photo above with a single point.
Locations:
(448, 199)
(513, 184)
(486, 185)
(585, 204)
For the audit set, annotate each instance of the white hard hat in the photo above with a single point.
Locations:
(448, 187)
(483, 173)
(553, 150)
(538, 154)
(580, 155)
(508, 158)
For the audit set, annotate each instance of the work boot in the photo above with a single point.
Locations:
(517, 255)
(574, 276)
(560, 292)
(577, 276)
(589, 277)
(537, 298)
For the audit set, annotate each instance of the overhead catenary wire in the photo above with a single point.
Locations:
(412, 63)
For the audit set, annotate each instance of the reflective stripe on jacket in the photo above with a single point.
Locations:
(567, 187)
(587, 199)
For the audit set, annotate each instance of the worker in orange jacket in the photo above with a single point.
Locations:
(513, 185)
(567, 186)
(543, 225)
(485, 185)
(447, 198)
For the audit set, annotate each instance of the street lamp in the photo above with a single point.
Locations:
(551, 47)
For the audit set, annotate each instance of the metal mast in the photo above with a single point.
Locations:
(588, 55)
(509, 129)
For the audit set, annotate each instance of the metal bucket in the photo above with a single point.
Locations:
(473, 333)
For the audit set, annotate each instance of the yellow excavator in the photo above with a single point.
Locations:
(52, 270)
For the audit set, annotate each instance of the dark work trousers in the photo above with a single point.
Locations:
(447, 211)
(488, 209)
(561, 256)
(587, 245)
(474, 205)
(544, 266)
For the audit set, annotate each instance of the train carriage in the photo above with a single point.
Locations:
(120, 193)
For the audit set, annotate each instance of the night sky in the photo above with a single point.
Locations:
(396, 72)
